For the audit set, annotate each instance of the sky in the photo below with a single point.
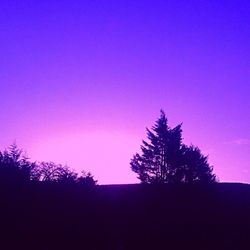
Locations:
(81, 80)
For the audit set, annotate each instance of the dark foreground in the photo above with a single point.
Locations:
(52, 216)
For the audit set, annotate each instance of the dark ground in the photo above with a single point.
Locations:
(42, 216)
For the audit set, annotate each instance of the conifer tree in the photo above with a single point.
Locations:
(165, 159)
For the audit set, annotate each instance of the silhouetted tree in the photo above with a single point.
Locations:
(50, 171)
(165, 159)
(14, 165)
(196, 166)
(86, 179)
(66, 175)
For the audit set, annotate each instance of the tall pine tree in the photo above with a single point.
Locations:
(165, 159)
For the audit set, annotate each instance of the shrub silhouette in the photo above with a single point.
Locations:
(165, 159)
(86, 179)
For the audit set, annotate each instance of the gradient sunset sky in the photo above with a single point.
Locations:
(81, 80)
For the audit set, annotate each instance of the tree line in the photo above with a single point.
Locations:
(15, 166)
(164, 159)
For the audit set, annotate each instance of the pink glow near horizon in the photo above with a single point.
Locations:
(105, 154)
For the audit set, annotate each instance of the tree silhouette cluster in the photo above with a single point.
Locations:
(166, 159)
(54, 212)
(16, 167)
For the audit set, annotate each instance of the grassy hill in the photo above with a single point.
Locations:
(52, 216)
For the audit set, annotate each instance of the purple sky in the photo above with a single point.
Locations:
(80, 80)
